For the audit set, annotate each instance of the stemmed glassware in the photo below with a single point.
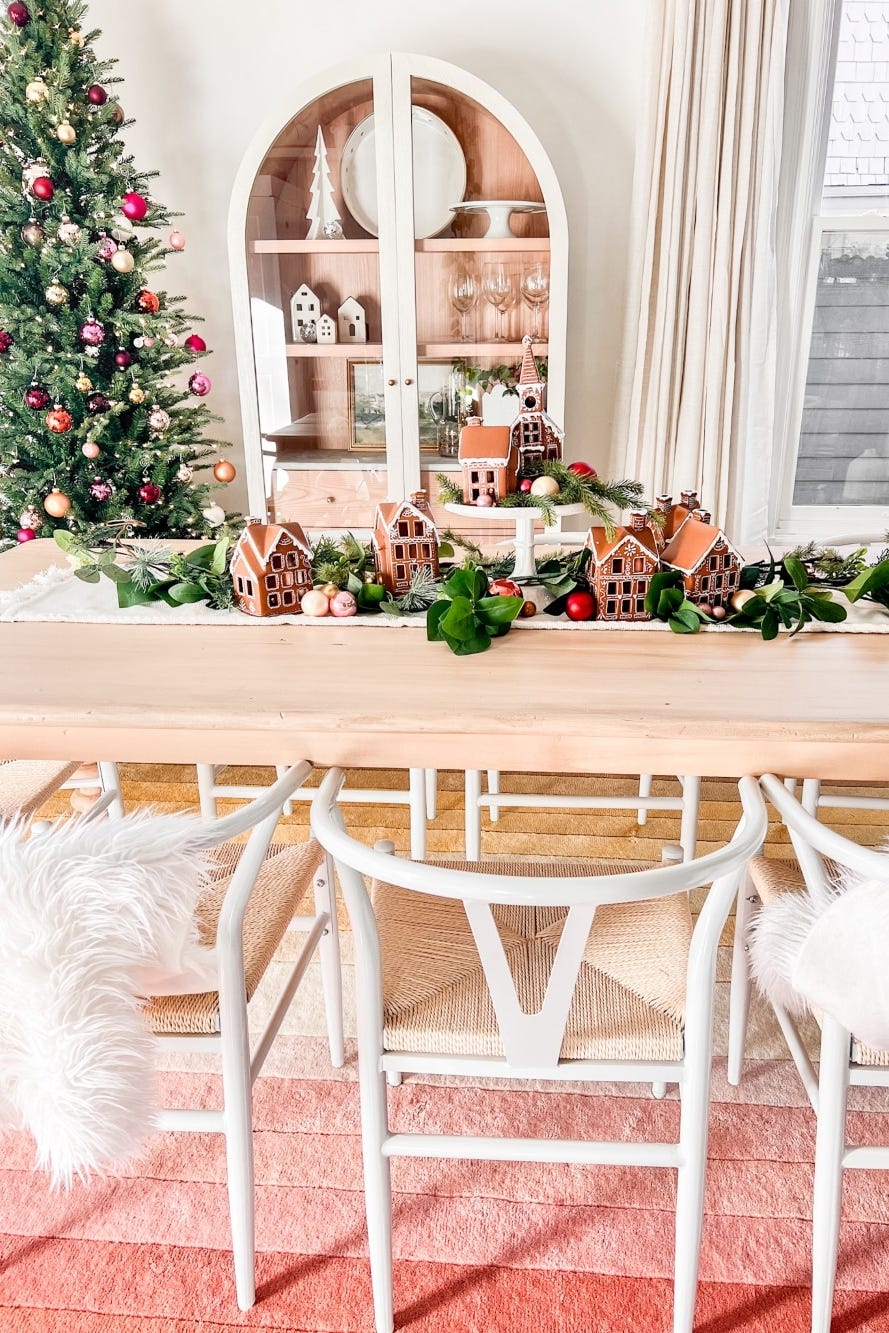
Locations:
(498, 288)
(535, 293)
(463, 295)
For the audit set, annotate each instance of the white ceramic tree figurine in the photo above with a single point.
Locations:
(322, 216)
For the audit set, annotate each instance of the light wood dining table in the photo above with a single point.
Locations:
(607, 701)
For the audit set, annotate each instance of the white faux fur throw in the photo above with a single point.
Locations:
(92, 915)
(828, 950)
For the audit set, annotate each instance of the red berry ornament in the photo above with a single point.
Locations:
(36, 397)
(195, 343)
(580, 606)
(582, 470)
(148, 302)
(59, 421)
(96, 95)
(5, 340)
(19, 15)
(43, 188)
(25, 535)
(149, 493)
(134, 206)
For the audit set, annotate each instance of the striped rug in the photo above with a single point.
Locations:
(480, 1248)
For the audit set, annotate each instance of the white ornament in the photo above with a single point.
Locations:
(68, 231)
(184, 473)
(351, 322)
(322, 216)
(305, 308)
(214, 514)
(325, 330)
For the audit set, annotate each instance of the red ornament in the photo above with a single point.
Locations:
(149, 494)
(43, 188)
(5, 340)
(134, 206)
(59, 421)
(525, 485)
(36, 397)
(582, 470)
(18, 14)
(122, 358)
(96, 94)
(148, 302)
(504, 588)
(25, 535)
(195, 343)
(580, 606)
(199, 385)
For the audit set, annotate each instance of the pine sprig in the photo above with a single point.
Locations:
(450, 492)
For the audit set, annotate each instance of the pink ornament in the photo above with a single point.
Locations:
(92, 333)
(314, 603)
(195, 343)
(101, 490)
(106, 248)
(134, 206)
(343, 604)
(5, 340)
(18, 14)
(177, 240)
(485, 501)
(199, 385)
(525, 485)
(25, 535)
(90, 449)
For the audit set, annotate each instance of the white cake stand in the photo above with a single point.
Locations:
(523, 520)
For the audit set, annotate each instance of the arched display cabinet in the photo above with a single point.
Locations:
(331, 428)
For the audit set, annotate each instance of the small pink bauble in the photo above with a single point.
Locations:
(92, 333)
(134, 206)
(343, 604)
(90, 449)
(177, 240)
(525, 485)
(106, 248)
(314, 603)
(101, 490)
(485, 501)
(195, 343)
(25, 535)
(199, 384)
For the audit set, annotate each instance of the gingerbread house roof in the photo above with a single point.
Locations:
(692, 543)
(602, 546)
(390, 511)
(528, 372)
(485, 444)
(261, 540)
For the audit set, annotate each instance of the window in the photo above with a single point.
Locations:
(277, 561)
(271, 580)
(617, 565)
(639, 564)
(273, 601)
(835, 460)
(240, 583)
(291, 560)
(288, 597)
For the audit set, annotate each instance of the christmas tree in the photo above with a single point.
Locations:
(98, 419)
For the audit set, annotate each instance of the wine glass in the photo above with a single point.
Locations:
(498, 288)
(463, 295)
(535, 293)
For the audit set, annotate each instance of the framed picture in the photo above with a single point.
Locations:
(367, 411)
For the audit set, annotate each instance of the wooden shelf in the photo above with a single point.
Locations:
(354, 351)
(343, 247)
(461, 350)
(348, 460)
(486, 243)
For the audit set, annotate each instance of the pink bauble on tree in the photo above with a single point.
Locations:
(5, 341)
(195, 343)
(199, 384)
(177, 240)
(92, 333)
(122, 358)
(43, 188)
(106, 248)
(134, 206)
(25, 535)
(101, 490)
(96, 95)
(90, 449)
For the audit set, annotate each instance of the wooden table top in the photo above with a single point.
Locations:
(718, 704)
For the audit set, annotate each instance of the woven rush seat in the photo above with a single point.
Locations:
(629, 1001)
(26, 783)
(283, 881)
(771, 878)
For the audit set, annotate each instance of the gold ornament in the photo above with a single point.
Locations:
(136, 394)
(224, 471)
(83, 383)
(122, 261)
(66, 133)
(36, 91)
(56, 294)
(76, 38)
(33, 233)
(57, 503)
(544, 486)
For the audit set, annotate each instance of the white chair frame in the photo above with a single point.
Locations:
(814, 798)
(494, 800)
(827, 1089)
(532, 1042)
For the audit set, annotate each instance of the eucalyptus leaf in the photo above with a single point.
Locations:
(129, 595)
(64, 539)
(87, 574)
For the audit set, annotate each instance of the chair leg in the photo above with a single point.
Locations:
(206, 794)
(280, 770)
(695, 1093)
(644, 791)
(431, 792)
(377, 1197)
(659, 1091)
(811, 795)
(472, 813)
(830, 1143)
(238, 1112)
(331, 964)
(494, 790)
(739, 992)
(691, 805)
(110, 780)
(417, 779)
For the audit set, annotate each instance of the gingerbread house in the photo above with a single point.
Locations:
(535, 436)
(621, 567)
(709, 564)
(488, 460)
(675, 514)
(404, 541)
(271, 568)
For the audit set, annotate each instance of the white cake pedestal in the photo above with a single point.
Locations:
(523, 521)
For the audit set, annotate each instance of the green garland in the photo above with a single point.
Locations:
(596, 496)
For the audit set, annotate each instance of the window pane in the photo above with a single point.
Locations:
(858, 143)
(844, 443)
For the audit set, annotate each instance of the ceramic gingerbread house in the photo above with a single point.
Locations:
(404, 541)
(674, 514)
(709, 564)
(535, 436)
(621, 567)
(271, 568)
(488, 460)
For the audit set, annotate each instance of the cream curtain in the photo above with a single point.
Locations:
(697, 405)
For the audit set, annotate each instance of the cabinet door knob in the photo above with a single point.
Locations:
(331, 499)
(391, 383)
(408, 381)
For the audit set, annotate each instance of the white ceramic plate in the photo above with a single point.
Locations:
(439, 174)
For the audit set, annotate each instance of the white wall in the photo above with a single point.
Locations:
(198, 77)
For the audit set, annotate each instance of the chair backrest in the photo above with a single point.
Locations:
(536, 1039)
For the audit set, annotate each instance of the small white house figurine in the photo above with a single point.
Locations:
(325, 330)
(305, 309)
(351, 322)
(322, 217)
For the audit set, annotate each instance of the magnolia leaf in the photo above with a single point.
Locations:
(797, 572)
(477, 643)
(460, 622)
(445, 550)
(770, 624)
(499, 610)
(88, 574)
(829, 612)
(866, 582)
(186, 592)
(220, 554)
(434, 617)
(129, 595)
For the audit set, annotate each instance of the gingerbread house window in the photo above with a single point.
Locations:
(713, 562)
(249, 587)
(240, 583)
(291, 560)
(639, 586)
(726, 560)
(705, 583)
(530, 432)
(639, 564)
(610, 607)
(277, 561)
(626, 606)
(287, 578)
(627, 586)
(288, 597)
(617, 565)
(271, 580)
(640, 606)
(612, 588)
(404, 527)
(273, 601)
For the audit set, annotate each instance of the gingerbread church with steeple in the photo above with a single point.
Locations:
(534, 435)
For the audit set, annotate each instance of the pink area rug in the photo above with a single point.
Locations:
(480, 1248)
